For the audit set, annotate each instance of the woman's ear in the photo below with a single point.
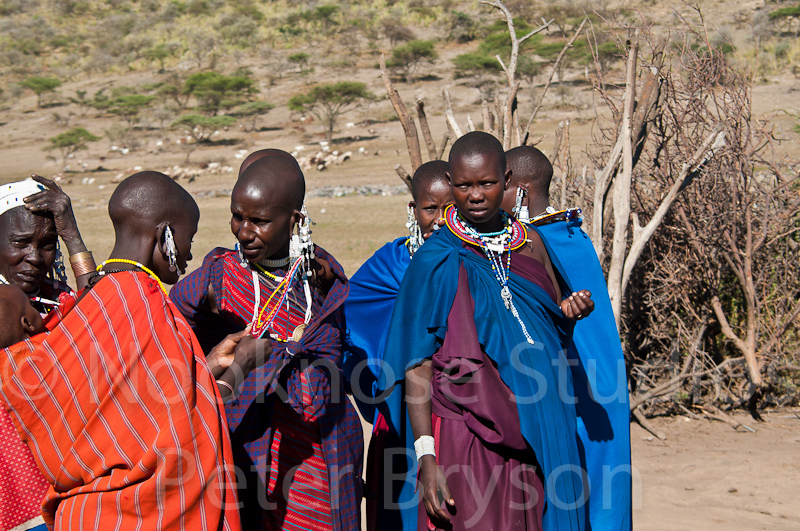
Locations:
(160, 240)
(297, 218)
(507, 177)
(27, 326)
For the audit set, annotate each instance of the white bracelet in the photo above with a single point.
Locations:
(425, 445)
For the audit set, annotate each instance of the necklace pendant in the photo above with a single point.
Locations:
(298, 332)
(496, 247)
(505, 293)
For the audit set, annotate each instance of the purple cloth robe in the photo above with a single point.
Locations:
(491, 471)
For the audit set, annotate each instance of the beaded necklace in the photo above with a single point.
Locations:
(134, 264)
(262, 322)
(494, 244)
(3, 280)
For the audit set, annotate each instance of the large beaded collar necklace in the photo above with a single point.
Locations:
(494, 245)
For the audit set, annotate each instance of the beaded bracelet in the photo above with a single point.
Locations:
(425, 445)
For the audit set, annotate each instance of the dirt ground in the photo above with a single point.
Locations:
(705, 475)
(708, 476)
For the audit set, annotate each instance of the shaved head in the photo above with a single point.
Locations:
(20, 320)
(427, 175)
(148, 198)
(530, 167)
(277, 175)
(478, 144)
(261, 154)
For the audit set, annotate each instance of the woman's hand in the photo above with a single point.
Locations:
(252, 353)
(578, 305)
(54, 201)
(434, 489)
(221, 357)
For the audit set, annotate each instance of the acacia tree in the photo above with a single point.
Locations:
(408, 57)
(41, 86)
(250, 112)
(72, 141)
(129, 106)
(328, 102)
(215, 90)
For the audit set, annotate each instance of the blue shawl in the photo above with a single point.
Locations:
(368, 310)
(536, 374)
(599, 377)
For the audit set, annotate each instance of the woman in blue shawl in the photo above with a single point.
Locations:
(368, 310)
(477, 340)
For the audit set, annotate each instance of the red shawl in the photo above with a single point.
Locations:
(122, 416)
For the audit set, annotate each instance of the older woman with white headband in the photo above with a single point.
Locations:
(34, 213)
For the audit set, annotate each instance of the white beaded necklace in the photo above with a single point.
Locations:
(493, 246)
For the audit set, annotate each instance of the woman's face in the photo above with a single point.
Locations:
(262, 223)
(27, 248)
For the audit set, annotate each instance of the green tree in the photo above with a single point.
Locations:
(175, 93)
(160, 53)
(215, 91)
(129, 106)
(324, 15)
(41, 86)
(74, 140)
(327, 102)
(408, 57)
(200, 127)
(250, 112)
(300, 59)
(475, 64)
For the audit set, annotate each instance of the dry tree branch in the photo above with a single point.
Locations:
(511, 69)
(643, 235)
(622, 189)
(539, 103)
(409, 128)
(426, 130)
(452, 124)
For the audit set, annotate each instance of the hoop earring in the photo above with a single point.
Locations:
(415, 239)
(172, 251)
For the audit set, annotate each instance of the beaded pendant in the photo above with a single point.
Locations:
(494, 245)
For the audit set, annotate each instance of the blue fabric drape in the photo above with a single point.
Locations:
(368, 311)
(599, 378)
(536, 374)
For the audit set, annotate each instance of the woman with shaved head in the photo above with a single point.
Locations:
(298, 443)
(117, 405)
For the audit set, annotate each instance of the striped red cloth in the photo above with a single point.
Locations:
(122, 416)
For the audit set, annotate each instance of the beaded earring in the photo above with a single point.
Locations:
(59, 271)
(172, 251)
(242, 259)
(301, 245)
(521, 212)
(415, 240)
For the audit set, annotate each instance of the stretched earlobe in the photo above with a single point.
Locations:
(27, 326)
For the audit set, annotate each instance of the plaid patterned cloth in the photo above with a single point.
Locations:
(311, 364)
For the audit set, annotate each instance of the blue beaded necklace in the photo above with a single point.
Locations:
(494, 244)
